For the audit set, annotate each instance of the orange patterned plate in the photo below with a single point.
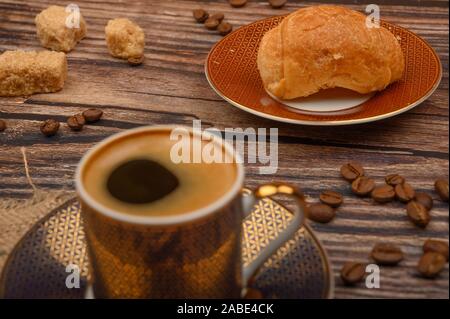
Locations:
(232, 72)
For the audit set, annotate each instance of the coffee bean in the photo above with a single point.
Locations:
(92, 115)
(211, 24)
(331, 198)
(320, 213)
(224, 28)
(383, 194)
(437, 246)
(76, 122)
(49, 127)
(418, 214)
(352, 171)
(404, 192)
(363, 186)
(353, 272)
(253, 293)
(276, 4)
(441, 187)
(394, 179)
(237, 3)
(200, 15)
(218, 16)
(2, 125)
(431, 264)
(425, 200)
(387, 254)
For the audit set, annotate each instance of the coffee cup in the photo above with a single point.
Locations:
(158, 228)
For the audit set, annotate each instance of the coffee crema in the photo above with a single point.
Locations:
(135, 175)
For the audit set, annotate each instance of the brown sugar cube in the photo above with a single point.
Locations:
(125, 40)
(60, 30)
(24, 73)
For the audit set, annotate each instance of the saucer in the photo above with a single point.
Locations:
(36, 268)
(232, 72)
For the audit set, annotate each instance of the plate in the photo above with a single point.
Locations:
(36, 268)
(232, 72)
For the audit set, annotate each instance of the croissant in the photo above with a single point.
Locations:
(325, 47)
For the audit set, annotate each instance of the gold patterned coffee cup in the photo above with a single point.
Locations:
(196, 254)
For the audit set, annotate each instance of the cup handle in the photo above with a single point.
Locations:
(268, 190)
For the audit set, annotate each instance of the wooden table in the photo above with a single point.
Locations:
(171, 88)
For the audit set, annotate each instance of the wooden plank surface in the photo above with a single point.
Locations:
(171, 88)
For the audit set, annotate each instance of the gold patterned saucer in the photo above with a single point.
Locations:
(36, 268)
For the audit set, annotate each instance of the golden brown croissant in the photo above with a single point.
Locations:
(324, 47)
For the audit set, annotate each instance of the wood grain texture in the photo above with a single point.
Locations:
(170, 88)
